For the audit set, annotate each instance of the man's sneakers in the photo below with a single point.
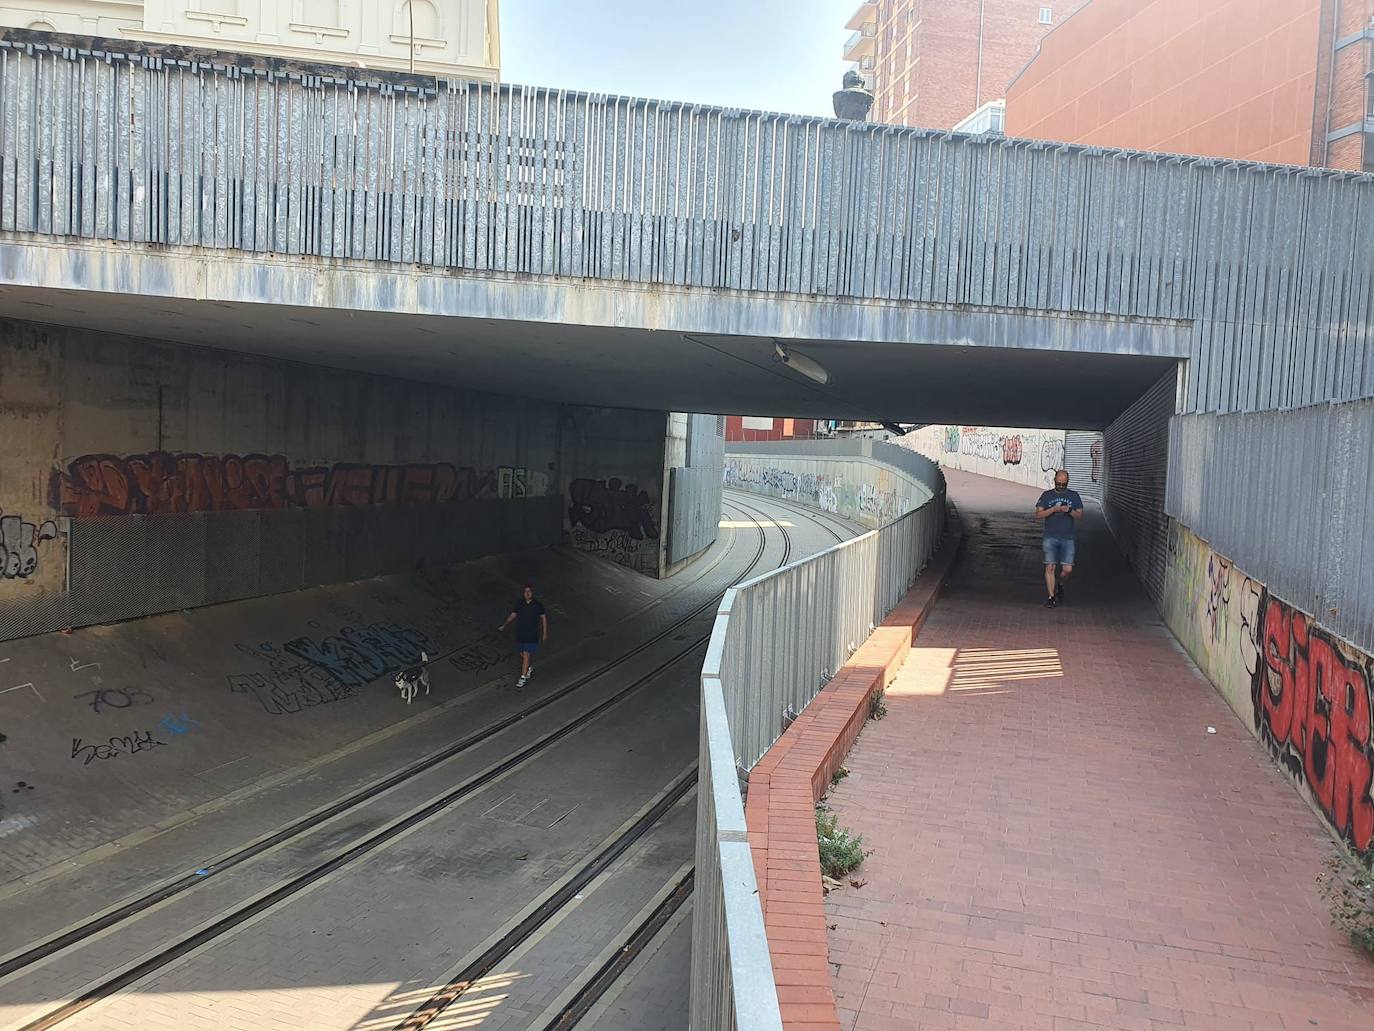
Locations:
(1051, 603)
(524, 678)
(1059, 594)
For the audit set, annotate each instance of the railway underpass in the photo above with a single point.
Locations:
(269, 437)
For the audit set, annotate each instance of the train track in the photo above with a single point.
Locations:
(821, 519)
(349, 854)
(640, 937)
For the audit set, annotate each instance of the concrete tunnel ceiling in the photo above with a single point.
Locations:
(637, 368)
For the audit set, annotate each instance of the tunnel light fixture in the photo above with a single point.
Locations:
(813, 371)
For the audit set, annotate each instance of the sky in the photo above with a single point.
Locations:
(767, 55)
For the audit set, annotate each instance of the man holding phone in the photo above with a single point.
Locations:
(1059, 509)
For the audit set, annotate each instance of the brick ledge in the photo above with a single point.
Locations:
(790, 779)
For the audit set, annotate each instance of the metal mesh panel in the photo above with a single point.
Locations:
(108, 558)
(235, 556)
(363, 551)
(173, 570)
(23, 617)
(282, 547)
(1136, 467)
(325, 546)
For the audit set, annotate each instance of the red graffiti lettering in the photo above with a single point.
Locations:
(1313, 708)
(158, 482)
(94, 485)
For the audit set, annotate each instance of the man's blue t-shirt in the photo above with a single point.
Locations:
(1061, 524)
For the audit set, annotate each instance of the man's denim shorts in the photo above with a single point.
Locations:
(1058, 551)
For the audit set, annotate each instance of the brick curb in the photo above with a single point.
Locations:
(786, 784)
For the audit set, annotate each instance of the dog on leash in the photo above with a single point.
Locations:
(409, 681)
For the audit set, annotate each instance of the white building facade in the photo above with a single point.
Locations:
(452, 38)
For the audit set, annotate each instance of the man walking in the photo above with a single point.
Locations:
(531, 627)
(1060, 509)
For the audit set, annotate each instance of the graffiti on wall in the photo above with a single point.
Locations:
(1306, 695)
(614, 520)
(1313, 699)
(160, 481)
(1022, 456)
(309, 671)
(605, 505)
(1051, 454)
(873, 504)
(19, 544)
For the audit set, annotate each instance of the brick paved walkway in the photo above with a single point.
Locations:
(1058, 842)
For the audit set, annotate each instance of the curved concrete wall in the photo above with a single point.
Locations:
(867, 482)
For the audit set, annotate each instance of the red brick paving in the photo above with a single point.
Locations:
(1058, 843)
(784, 787)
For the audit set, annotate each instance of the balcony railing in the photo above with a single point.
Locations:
(861, 43)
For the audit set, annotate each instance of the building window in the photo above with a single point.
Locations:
(218, 13)
(426, 19)
(1046, 16)
(320, 12)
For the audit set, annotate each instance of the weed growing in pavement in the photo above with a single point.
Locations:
(1349, 893)
(841, 851)
(877, 707)
(838, 776)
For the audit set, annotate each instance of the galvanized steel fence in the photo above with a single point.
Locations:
(1289, 496)
(132, 143)
(777, 640)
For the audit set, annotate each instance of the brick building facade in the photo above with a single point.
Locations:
(1286, 81)
(932, 63)
(748, 427)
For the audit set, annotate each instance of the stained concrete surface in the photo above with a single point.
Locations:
(113, 731)
(369, 950)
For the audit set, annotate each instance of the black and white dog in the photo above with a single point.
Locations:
(409, 681)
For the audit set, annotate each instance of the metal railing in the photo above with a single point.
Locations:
(777, 641)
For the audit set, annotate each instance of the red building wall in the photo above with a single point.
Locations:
(1224, 78)
(781, 429)
(928, 55)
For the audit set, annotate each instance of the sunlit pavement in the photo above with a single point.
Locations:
(1057, 841)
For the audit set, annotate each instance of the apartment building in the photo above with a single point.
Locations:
(935, 63)
(1285, 81)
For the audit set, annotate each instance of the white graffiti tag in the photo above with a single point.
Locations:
(19, 545)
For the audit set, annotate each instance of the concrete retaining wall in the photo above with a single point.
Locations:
(851, 482)
(139, 476)
(614, 478)
(1304, 693)
(1021, 456)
